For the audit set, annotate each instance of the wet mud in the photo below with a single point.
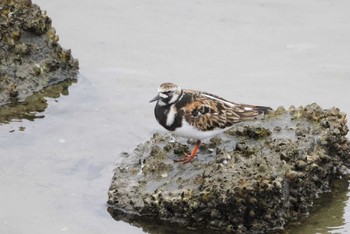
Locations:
(257, 177)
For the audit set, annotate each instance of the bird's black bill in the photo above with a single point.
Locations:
(156, 98)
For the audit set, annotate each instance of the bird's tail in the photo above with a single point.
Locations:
(262, 109)
(250, 111)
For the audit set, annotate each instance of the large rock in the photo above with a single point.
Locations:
(254, 178)
(30, 55)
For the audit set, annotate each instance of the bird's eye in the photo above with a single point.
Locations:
(166, 92)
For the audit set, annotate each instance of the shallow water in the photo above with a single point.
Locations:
(55, 171)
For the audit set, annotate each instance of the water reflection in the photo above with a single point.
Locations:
(34, 104)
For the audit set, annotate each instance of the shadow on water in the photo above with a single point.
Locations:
(327, 215)
(33, 104)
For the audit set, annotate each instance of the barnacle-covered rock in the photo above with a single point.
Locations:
(30, 56)
(255, 178)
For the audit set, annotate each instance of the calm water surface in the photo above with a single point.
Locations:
(55, 171)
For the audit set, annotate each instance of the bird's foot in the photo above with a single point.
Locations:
(188, 157)
(185, 159)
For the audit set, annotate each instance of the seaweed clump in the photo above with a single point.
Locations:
(30, 55)
(255, 178)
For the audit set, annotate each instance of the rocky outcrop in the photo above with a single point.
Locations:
(254, 178)
(30, 55)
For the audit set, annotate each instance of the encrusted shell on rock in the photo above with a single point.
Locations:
(30, 56)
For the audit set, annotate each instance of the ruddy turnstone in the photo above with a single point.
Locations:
(198, 115)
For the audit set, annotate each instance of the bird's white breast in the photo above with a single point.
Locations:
(189, 131)
(171, 115)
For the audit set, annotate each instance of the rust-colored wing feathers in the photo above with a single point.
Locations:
(207, 112)
(207, 115)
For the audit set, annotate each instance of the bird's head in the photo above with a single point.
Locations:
(168, 93)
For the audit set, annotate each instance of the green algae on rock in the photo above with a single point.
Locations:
(255, 178)
(30, 56)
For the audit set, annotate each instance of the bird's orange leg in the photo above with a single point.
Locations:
(188, 157)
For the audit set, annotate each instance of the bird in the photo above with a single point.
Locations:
(198, 115)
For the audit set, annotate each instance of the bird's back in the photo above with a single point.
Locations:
(207, 111)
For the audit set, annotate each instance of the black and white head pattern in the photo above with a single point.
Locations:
(168, 93)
